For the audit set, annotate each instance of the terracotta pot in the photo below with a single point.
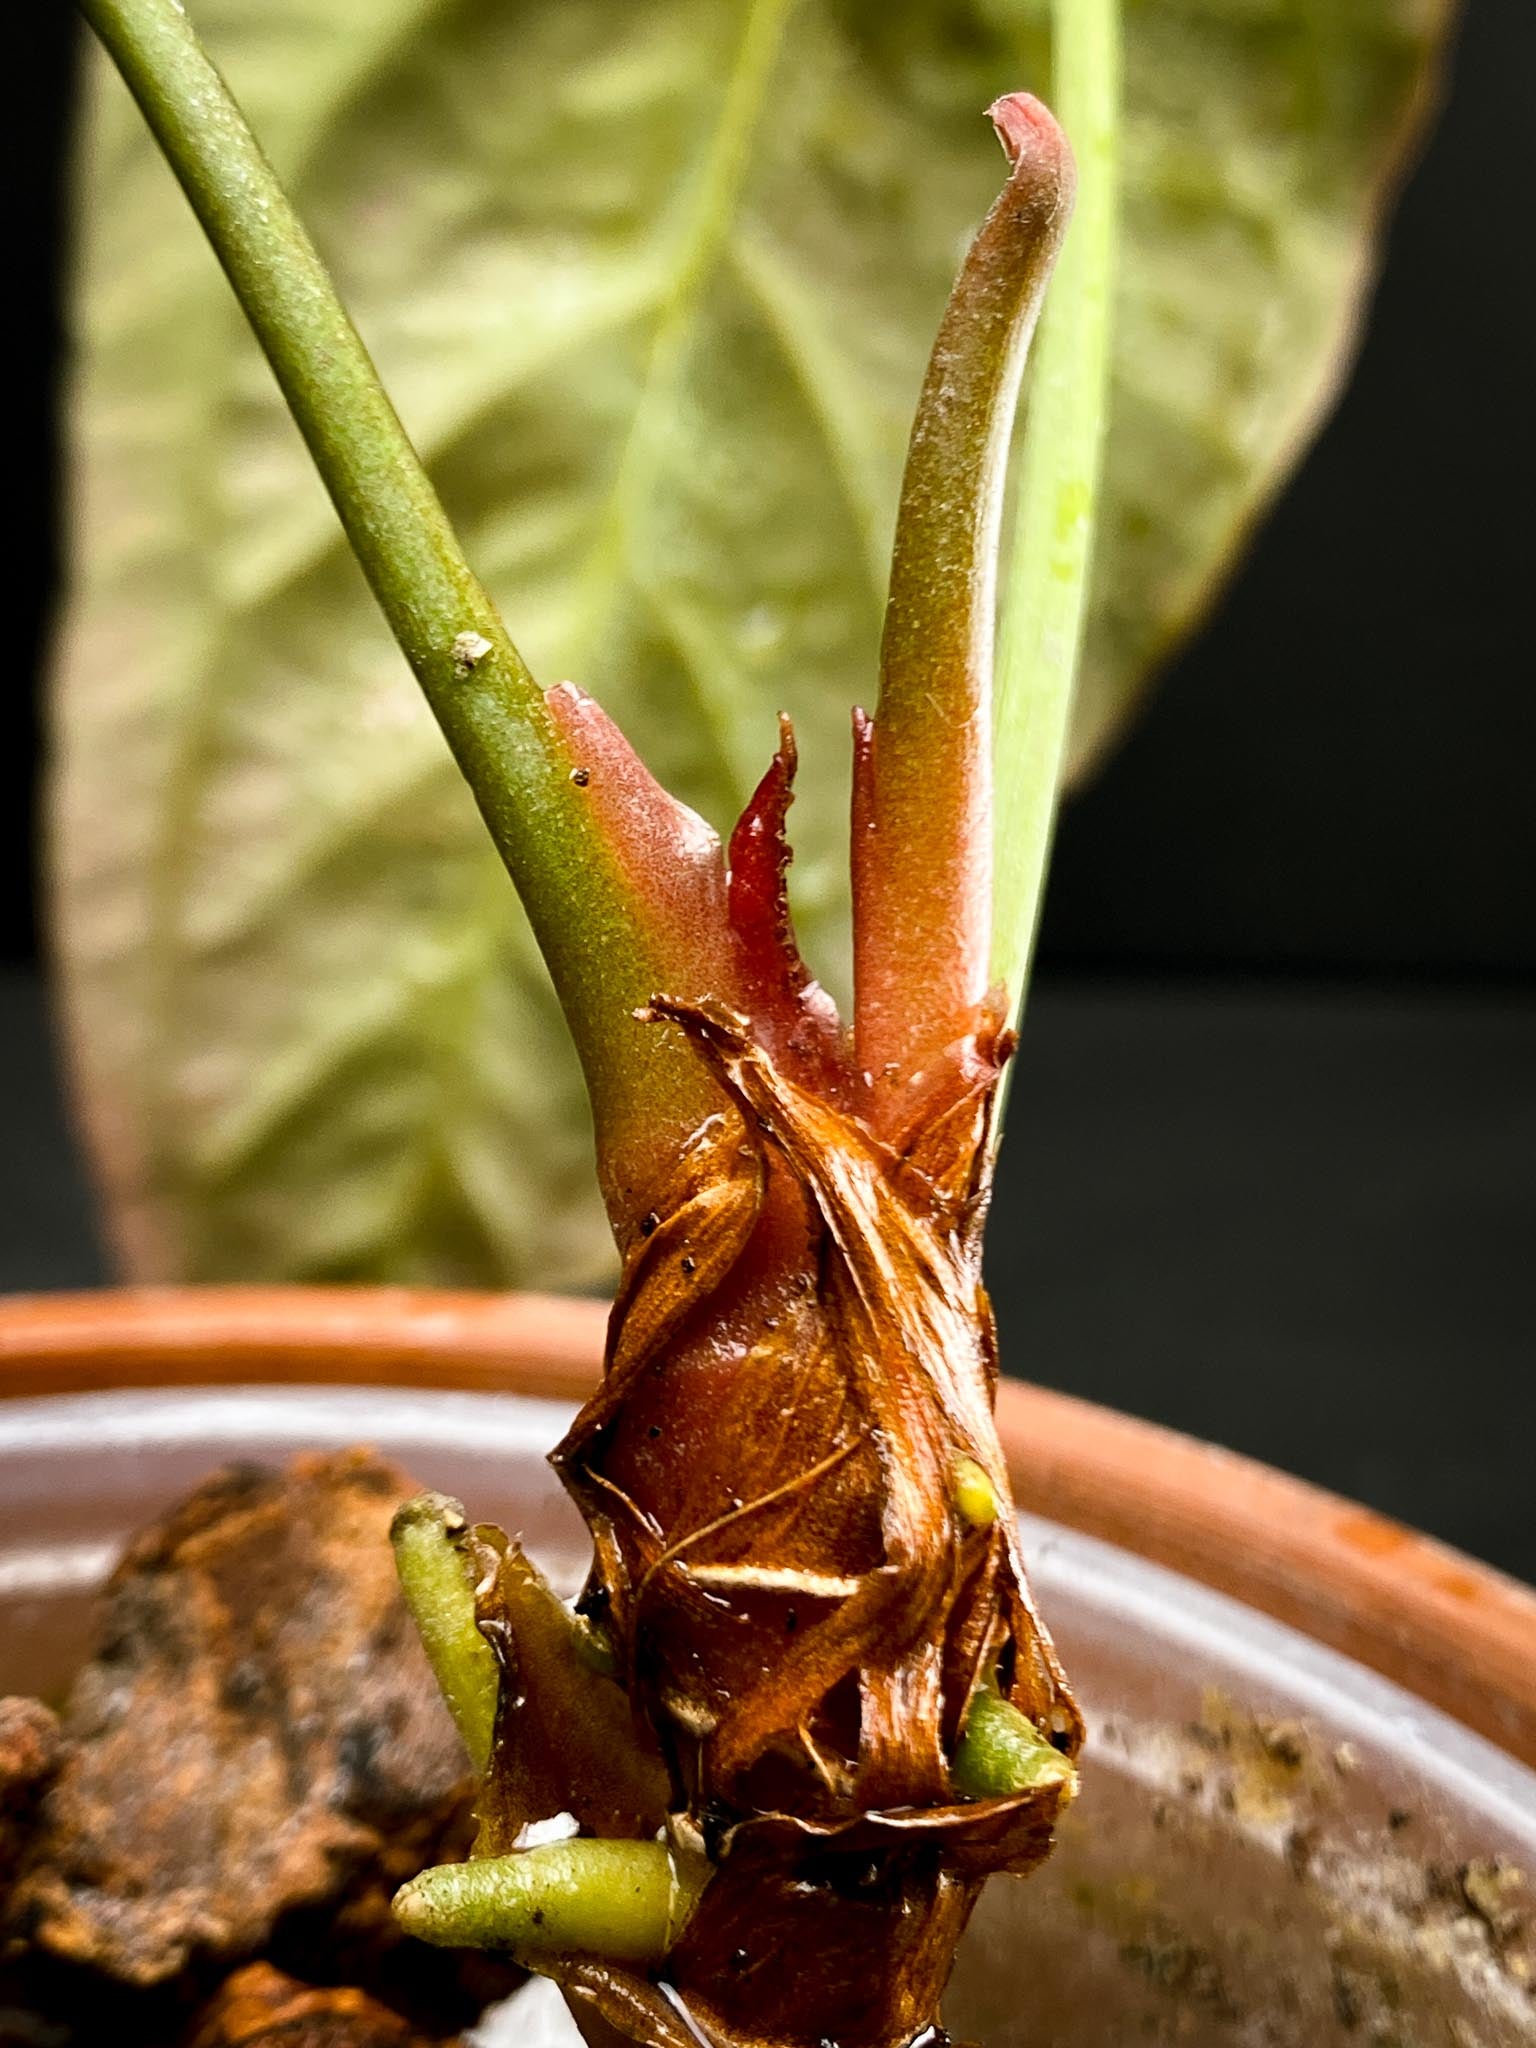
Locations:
(1446, 1628)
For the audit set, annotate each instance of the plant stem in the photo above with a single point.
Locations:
(437, 1590)
(1045, 601)
(605, 958)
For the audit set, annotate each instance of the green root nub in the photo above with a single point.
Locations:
(975, 1495)
(435, 1581)
(1003, 1752)
(625, 1901)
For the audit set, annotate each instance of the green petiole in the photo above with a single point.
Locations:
(1045, 599)
(606, 953)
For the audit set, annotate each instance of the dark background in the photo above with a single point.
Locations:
(1272, 1175)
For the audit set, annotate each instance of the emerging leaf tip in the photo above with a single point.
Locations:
(1024, 123)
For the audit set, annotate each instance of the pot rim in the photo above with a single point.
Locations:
(1442, 1625)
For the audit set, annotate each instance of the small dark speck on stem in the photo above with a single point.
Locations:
(649, 1223)
(688, 1265)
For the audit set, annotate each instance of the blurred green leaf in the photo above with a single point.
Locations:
(652, 285)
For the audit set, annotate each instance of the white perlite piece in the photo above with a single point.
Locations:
(470, 649)
(533, 2017)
